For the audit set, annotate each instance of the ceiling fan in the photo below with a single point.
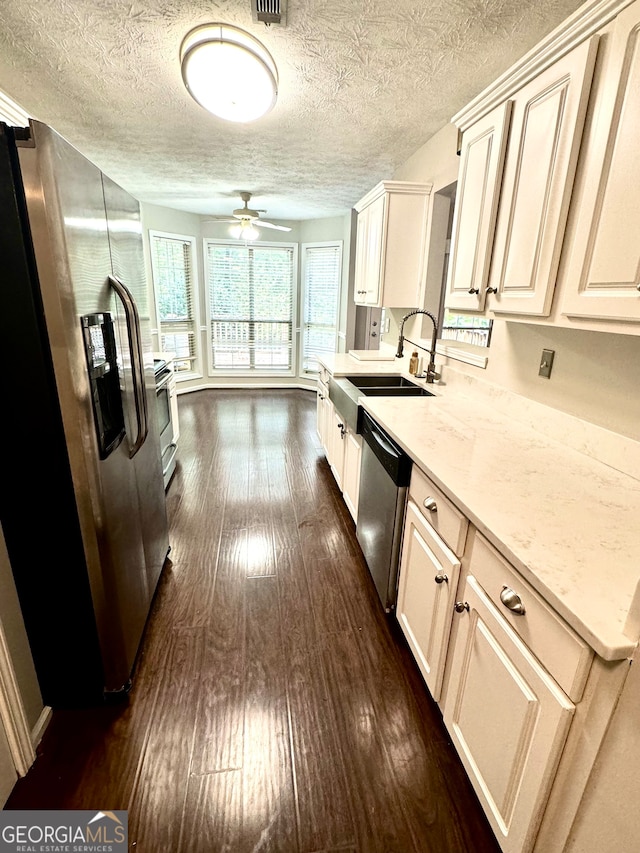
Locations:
(245, 219)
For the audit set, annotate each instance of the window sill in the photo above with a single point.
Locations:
(450, 350)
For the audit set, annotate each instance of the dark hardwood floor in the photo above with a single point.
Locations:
(275, 707)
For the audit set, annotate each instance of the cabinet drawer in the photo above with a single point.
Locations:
(443, 516)
(556, 645)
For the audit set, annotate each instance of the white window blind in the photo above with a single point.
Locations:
(251, 306)
(322, 269)
(173, 281)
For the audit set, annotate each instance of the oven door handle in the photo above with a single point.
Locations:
(137, 362)
(164, 381)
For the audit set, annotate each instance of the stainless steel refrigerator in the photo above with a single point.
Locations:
(82, 500)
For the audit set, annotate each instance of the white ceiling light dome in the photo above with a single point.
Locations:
(229, 72)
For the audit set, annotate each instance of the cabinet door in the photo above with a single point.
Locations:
(507, 718)
(546, 130)
(603, 273)
(374, 252)
(322, 398)
(336, 445)
(476, 208)
(360, 271)
(351, 472)
(429, 574)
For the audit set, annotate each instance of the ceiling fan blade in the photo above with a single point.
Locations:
(221, 219)
(260, 223)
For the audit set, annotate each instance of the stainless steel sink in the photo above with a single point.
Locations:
(344, 392)
(408, 390)
(383, 381)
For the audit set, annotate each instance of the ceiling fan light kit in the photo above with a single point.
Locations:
(229, 72)
(244, 220)
(244, 231)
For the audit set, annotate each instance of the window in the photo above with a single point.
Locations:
(251, 305)
(321, 275)
(468, 328)
(173, 280)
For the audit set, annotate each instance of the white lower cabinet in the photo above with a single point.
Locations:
(429, 573)
(505, 668)
(323, 412)
(351, 471)
(335, 441)
(507, 718)
(341, 444)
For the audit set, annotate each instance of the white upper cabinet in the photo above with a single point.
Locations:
(602, 276)
(546, 131)
(480, 177)
(390, 244)
(517, 169)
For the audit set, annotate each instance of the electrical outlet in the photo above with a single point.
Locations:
(546, 363)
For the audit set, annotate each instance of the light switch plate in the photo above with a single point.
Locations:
(546, 363)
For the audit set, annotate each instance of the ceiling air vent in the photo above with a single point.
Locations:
(269, 11)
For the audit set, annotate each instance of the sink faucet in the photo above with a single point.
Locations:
(432, 375)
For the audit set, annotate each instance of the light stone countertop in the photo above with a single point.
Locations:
(568, 523)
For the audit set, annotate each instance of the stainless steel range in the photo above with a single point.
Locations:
(168, 447)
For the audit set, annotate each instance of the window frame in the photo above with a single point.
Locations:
(254, 372)
(338, 244)
(196, 371)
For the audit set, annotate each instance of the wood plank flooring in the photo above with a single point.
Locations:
(275, 707)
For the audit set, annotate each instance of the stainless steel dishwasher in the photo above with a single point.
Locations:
(384, 478)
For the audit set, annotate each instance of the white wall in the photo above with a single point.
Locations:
(596, 375)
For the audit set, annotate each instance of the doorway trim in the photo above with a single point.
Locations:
(12, 713)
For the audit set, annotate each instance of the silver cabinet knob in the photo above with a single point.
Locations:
(512, 601)
(473, 290)
(441, 579)
(492, 290)
(460, 606)
(431, 505)
(637, 286)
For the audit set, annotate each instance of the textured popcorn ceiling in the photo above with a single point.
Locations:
(363, 84)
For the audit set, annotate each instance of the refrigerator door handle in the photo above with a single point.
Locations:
(137, 361)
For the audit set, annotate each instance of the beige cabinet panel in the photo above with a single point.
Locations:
(602, 277)
(507, 718)
(425, 605)
(546, 131)
(480, 177)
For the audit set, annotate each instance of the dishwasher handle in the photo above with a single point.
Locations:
(386, 446)
(394, 460)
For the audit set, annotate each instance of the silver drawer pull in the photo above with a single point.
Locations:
(431, 505)
(512, 601)
(441, 579)
(460, 606)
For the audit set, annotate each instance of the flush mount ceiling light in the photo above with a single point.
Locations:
(229, 72)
